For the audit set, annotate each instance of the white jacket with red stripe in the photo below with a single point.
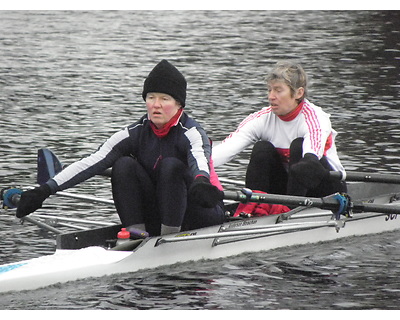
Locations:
(307, 121)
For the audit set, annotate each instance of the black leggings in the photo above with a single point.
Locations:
(266, 172)
(162, 199)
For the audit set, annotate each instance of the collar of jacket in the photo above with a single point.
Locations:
(161, 133)
(293, 114)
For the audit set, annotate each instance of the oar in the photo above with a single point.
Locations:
(11, 201)
(56, 219)
(41, 224)
(231, 181)
(335, 202)
(364, 177)
(337, 175)
(84, 197)
(12, 196)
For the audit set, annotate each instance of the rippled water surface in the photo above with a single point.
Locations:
(68, 80)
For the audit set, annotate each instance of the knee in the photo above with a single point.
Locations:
(172, 167)
(261, 148)
(296, 150)
(123, 164)
(263, 152)
(123, 161)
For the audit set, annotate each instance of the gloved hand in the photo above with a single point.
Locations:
(204, 193)
(309, 171)
(32, 200)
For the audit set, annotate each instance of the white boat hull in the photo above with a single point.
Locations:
(69, 265)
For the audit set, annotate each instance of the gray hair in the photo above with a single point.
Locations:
(291, 73)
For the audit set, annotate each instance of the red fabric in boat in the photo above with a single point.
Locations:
(260, 209)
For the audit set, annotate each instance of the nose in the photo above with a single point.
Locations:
(271, 95)
(157, 102)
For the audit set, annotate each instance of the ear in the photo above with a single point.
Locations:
(299, 93)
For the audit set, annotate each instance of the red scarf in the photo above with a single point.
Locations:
(161, 133)
(293, 114)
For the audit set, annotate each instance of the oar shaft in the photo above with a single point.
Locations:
(41, 225)
(327, 203)
(380, 208)
(11, 197)
(74, 220)
(364, 177)
(336, 175)
(84, 197)
(230, 181)
(281, 199)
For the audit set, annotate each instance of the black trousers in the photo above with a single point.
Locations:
(267, 173)
(161, 198)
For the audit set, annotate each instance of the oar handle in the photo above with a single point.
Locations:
(10, 197)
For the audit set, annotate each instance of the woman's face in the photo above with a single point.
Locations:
(161, 107)
(281, 99)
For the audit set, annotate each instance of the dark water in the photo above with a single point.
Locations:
(68, 80)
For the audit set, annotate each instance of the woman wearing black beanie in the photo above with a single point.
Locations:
(163, 180)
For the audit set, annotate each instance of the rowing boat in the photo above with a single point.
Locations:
(83, 254)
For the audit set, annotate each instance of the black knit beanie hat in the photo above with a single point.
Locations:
(165, 78)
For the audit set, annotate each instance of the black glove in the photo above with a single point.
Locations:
(309, 171)
(32, 200)
(204, 193)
